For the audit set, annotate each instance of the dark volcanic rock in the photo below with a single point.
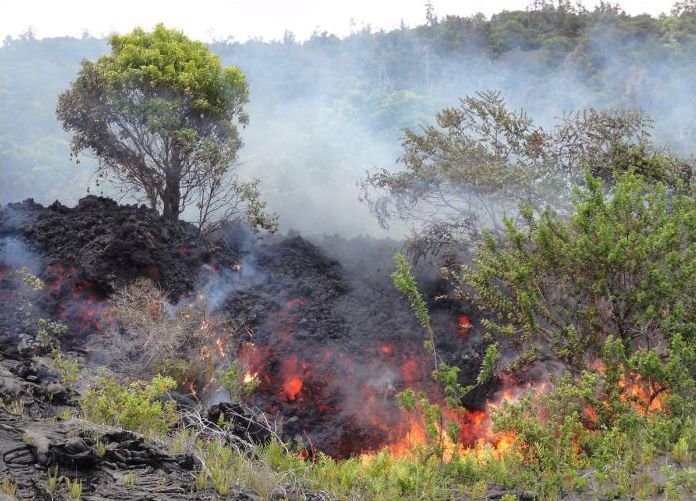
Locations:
(34, 447)
(241, 424)
(110, 244)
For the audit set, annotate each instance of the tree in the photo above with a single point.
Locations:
(161, 115)
(482, 159)
(430, 16)
(622, 265)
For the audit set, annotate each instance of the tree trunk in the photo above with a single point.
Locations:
(171, 199)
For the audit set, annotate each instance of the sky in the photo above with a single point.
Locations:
(241, 20)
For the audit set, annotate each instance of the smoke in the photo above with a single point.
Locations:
(324, 112)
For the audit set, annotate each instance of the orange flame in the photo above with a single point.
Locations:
(220, 349)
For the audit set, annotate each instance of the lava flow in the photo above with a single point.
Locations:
(342, 402)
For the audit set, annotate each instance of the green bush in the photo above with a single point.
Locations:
(137, 407)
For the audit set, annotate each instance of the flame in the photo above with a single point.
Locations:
(414, 437)
(591, 413)
(218, 345)
(640, 394)
(205, 325)
(190, 386)
(249, 377)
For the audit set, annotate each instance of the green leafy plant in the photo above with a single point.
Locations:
(621, 264)
(232, 380)
(68, 368)
(31, 280)
(49, 332)
(136, 407)
(163, 89)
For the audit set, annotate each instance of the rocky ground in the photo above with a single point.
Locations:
(40, 438)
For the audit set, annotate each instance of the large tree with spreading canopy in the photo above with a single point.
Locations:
(161, 115)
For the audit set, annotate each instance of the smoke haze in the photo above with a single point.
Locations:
(326, 110)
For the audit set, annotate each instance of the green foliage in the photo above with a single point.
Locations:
(607, 421)
(168, 59)
(16, 406)
(53, 480)
(490, 360)
(483, 159)
(100, 447)
(68, 368)
(137, 407)
(49, 331)
(232, 380)
(256, 211)
(406, 284)
(160, 113)
(129, 479)
(622, 264)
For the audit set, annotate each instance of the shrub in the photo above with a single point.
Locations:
(621, 264)
(68, 368)
(137, 407)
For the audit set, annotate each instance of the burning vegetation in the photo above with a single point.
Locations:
(551, 354)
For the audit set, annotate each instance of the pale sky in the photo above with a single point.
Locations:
(243, 19)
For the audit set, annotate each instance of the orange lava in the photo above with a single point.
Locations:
(296, 301)
(464, 325)
(292, 388)
(410, 370)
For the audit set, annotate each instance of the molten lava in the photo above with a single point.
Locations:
(292, 387)
(464, 325)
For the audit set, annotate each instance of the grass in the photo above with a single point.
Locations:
(621, 463)
(16, 406)
(100, 447)
(9, 488)
(53, 481)
(74, 488)
(129, 479)
(559, 454)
